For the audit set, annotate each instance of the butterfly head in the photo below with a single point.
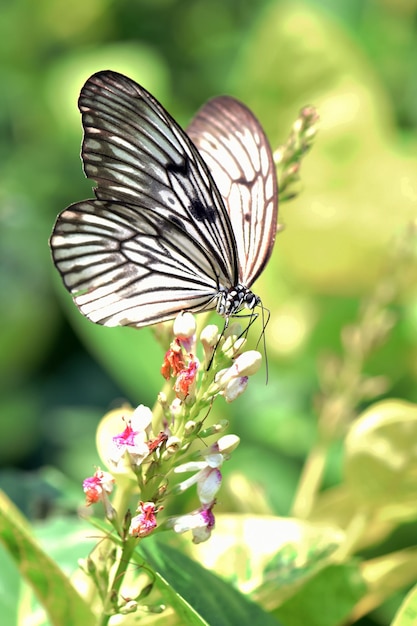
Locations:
(232, 300)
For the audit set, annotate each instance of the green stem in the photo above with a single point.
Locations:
(114, 591)
(310, 481)
(354, 532)
(157, 411)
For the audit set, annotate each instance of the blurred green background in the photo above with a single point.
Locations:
(355, 60)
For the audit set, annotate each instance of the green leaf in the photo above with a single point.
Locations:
(388, 574)
(380, 460)
(197, 595)
(9, 588)
(325, 600)
(272, 556)
(53, 589)
(407, 613)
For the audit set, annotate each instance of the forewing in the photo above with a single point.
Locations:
(138, 154)
(130, 268)
(158, 239)
(236, 150)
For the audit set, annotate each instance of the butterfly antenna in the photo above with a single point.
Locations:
(225, 327)
(265, 322)
(226, 324)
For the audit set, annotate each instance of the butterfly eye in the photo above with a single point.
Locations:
(251, 300)
(180, 221)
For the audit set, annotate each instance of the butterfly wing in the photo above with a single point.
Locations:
(158, 239)
(236, 150)
(123, 270)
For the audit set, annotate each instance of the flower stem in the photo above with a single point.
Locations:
(310, 481)
(114, 590)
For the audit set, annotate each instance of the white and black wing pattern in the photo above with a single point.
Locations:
(161, 236)
(237, 152)
(125, 270)
(157, 240)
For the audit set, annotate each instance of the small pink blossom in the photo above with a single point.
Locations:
(173, 361)
(97, 487)
(184, 384)
(133, 440)
(157, 442)
(144, 523)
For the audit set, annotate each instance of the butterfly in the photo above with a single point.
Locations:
(180, 221)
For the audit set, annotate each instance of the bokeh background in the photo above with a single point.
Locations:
(355, 60)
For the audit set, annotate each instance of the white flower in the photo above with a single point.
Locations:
(246, 364)
(208, 484)
(207, 478)
(200, 522)
(133, 439)
(209, 336)
(184, 326)
(234, 388)
(207, 475)
(227, 444)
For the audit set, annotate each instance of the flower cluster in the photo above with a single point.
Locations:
(179, 361)
(288, 157)
(154, 447)
(208, 479)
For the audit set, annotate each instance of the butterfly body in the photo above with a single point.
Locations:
(232, 300)
(179, 221)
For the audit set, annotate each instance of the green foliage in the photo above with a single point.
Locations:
(181, 581)
(54, 591)
(407, 614)
(336, 277)
(327, 599)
